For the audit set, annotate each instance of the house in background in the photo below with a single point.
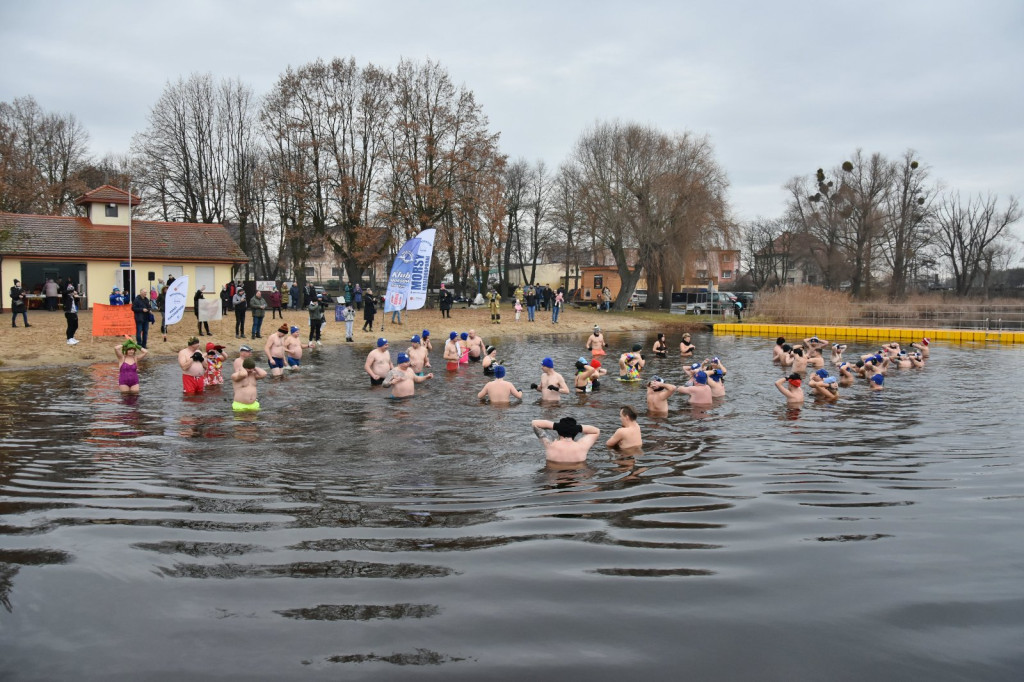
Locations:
(107, 249)
(720, 267)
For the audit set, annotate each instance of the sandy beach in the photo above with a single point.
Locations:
(44, 343)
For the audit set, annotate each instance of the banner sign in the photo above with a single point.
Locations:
(175, 300)
(210, 309)
(264, 285)
(407, 285)
(112, 320)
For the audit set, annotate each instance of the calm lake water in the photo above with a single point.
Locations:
(340, 535)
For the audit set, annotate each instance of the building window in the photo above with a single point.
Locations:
(702, 274)
(335, 272)
(111, 210)
(598, 281)
(726, 257)
(310, 272)
(726, 274)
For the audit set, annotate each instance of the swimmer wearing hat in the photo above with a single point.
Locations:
(789, 386)
(378, 363)
(246, 397)
(565, 448)
(402, 379)
(699, 392)
(551, 384)
(824, 386)
(293, 348)
(499, 390)
(924, 347)
(419, 359)
(596, 344)
(658, 393)
(631, 363)
(876, 382)
(490, 360)
(452, 352)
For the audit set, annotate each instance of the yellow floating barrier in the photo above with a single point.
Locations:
(847, 333)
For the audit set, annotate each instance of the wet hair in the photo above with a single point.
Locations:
(781, 341)
(627, 411)
(799, 351)
(786, 347)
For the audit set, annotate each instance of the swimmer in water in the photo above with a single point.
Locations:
(274, 348)
(490, 360)
(596, 344)
(565, 449)
(246, 397)
(699, 392)
(876, 382)
(499, 391)
(551, 385)
(685, 347)
(627, 436)
(599, 371)
(837, 353)
(658, 393)
(584, 381)
(660, 348)
(417, 352)
(824, 386)
(293, 348)
(924, 347)
(631, 363)
(128, 355)
(846, 374)
(779, 350)
(790, 387)
(378, 363)
(452, 352)
(402, 379)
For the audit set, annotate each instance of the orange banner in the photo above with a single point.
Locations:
(112, 320)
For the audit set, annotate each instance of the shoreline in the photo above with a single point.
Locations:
(43, 345)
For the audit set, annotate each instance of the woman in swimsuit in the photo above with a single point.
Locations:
(685, 347)
(660, 347)
(128, 355)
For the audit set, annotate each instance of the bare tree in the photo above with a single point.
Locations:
(907, 230)
(966, 231)
(538, 208)
(567, 217)
(516, 189)
(768, 251)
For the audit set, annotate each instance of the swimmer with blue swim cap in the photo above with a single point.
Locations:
(499, 391)
(551, 384)
(402, 379)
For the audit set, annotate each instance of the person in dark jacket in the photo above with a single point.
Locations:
(444, 301)
(240, 304)
(142, 309)
(195, 307)
(369, 311)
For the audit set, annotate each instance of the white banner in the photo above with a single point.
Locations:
(175, 300)
(210, 310)
(407, 285)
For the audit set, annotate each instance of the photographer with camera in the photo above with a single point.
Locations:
(193, 367)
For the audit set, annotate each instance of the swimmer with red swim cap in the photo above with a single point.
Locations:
(790, 387)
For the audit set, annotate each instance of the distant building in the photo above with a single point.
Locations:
(720, 267)
(106, 248)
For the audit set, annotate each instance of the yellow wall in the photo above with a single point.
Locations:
(103, 276)
(11, 271)
(98, 214)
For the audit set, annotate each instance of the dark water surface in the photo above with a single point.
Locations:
(340, 535)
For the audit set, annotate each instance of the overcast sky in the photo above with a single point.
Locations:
(782, 88)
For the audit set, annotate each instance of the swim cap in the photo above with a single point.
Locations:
(795, 383)
(780, 341)
(582, 360)
(637, 346)
(822, 373)
(715, 359)
(567, 427)
(415, 338)
(463, 336)
(878, 379)
(701, 377)
(658, 379)
(426, 333)
(294, 329)
(926, 340)
(129, 345)
(717, 375)
(844, 363)
(547, 362)
(595, 363)
(830, 380)
(490, 349)
(596, 328)
(695, 365)
(245, 348)
(249, 363)
(381, 342)
(453, 336)
(403, 358)
(499, 372)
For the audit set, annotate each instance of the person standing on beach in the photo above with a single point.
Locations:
(258, 305)
(274, 348)
(556, 306)
(19, 304)
(369, 311)
(530, 295)
(444, 302)
(350, 320)
(52, 293)
(142, 307)
(378, 362)
(195, 308)
(239, 303)
(316, 319)
(274, 301)
(70, 313)
(494, 303)
(193, 367)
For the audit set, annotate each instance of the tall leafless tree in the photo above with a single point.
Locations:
(965, 231)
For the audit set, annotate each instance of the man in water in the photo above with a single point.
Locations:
(876, 382)
(790, 387)
(499, 391)
(378, 363)
(824, 386)
(244, 351)
(658, 393)
(565, 448)
(626, 437)
(475, 345)
(293, 348)
(814, 356)
(193, 367)
(924, 347)
(700, 392)
(452, 352)
(402, 379)
(551, 384)
(274, 348)
(418, 358)
(244, 382)
(596, 343)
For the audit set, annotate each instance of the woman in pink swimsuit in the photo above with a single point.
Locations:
(128, 355)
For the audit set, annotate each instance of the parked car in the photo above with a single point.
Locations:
(701, 301)
(639, 298)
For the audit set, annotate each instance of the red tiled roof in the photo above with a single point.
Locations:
(107, 194)
(62, 238)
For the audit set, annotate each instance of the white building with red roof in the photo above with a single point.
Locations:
(107, 248)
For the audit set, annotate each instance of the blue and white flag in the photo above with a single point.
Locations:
(175, 300)
(407, 285)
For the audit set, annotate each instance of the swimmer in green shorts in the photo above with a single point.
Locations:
(244, 383)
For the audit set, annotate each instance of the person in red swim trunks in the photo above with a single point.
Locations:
(193, 367)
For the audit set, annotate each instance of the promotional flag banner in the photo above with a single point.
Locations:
(112, 320)
(407, 285)
(210, 309)
(175, 300)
